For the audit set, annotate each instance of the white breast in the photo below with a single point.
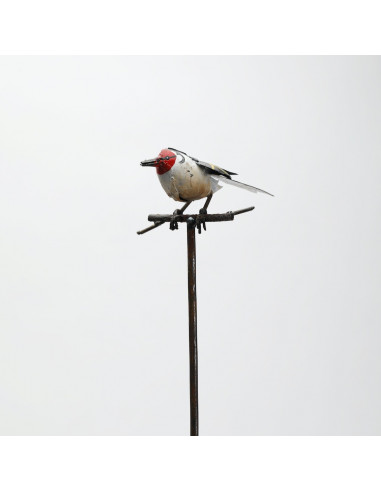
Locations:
(186, 180)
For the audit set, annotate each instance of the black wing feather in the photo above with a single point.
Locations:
(212, 169)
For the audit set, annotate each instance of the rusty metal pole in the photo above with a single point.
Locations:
(193, 221)
(192, 302)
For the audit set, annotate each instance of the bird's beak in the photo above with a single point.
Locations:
(149, 162)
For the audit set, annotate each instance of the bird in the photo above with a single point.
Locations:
(186, 179)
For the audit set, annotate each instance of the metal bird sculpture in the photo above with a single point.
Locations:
(186, 179)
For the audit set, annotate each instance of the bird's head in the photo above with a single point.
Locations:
(163, 162)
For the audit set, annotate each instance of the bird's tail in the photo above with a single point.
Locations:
(244, 186)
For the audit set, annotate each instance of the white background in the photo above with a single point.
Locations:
(94, 318)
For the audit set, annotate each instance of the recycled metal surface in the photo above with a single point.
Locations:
(204, 217)
(184, 218)
(160, 219)
(192, 303)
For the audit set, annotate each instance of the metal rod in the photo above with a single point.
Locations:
(243, 210)
(143, 231)
(185, 217)
(193, 221)
(192, 303)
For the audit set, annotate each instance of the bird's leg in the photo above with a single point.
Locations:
(181, 210)
(173, 225)
(204, 211)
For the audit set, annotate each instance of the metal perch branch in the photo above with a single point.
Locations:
(159, 219)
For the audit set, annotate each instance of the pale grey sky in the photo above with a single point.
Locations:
(94, 335)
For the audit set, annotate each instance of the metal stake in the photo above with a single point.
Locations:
(193, 221)
(192, 302)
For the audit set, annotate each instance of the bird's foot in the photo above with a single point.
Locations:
(173, 224)
(200, 221)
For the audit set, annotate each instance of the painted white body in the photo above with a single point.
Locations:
(186, 181)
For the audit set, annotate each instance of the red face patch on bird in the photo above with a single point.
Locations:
(168, 159)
